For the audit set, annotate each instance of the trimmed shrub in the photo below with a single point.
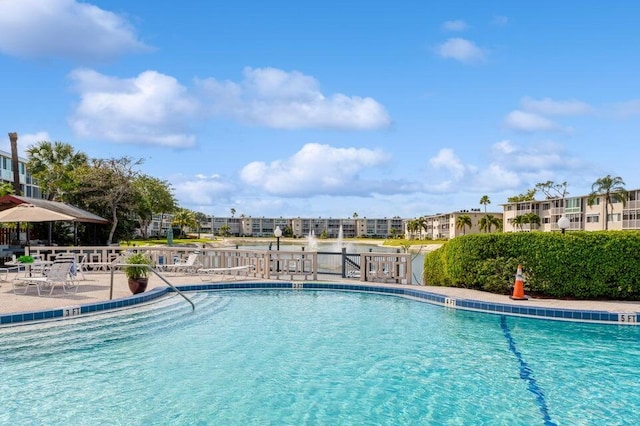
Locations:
(579, 265)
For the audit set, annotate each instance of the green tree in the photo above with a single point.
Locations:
(233, 212)
(200, 217)
(153, 196)
(462, 222)
(487, 221)
(225, 230)
(613, 190)
(6, 189)
(553, 190)
(184, 218)
(413, 227)
(518, 221)
(532, 219)
(484, 201)
(52, 166)
(530, 195)
(355, 215)
(107, 185)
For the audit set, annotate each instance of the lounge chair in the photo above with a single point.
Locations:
(190, 265)
(57, 273)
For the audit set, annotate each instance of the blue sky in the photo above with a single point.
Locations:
(288, 108)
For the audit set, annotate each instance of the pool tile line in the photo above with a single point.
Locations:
(562, 314)
(526, 373)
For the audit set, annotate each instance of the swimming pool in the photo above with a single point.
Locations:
(316, 357)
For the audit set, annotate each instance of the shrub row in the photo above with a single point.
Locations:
(577, 265)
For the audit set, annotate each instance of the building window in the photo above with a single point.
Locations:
(593, 218)
(613, 217)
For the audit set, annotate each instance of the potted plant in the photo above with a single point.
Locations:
(25, 259)
(138, 276)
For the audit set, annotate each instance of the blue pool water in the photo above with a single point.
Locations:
(316, 357)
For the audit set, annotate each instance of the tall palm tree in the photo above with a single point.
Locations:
(484, 201)
(463, 221)
(613, 190)
(487, 221)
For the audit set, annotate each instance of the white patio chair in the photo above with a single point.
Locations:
(190, 265)
(57, 273)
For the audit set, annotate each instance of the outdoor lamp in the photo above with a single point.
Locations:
(278, 233)
(563, 223)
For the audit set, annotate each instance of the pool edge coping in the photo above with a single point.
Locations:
(448, 302)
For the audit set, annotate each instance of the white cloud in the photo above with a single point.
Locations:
(510, 167)
(202, 189)
(548, 106)
(151, 108)
(290, 100)
(461, 50)
(503, 147)
(529, 122)
(455, 25)
(449, 161)
(318, 169)
(64, 28)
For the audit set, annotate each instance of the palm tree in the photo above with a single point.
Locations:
(484, 201)
(233, 212)
(184, 218)
(52, 165)
(532, 219)
(463, 221)
(413, 226)
(355, 215)
(517, 221)
(613, 190)
(487, 221)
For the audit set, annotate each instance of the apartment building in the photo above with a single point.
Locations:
(444, 225)
(581, 215)
(28, 187)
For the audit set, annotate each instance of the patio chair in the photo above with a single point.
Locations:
(190, 265)
(57, 273)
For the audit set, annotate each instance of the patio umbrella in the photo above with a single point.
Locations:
(29, 213)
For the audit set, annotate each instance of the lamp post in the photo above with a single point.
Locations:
(563, 223)
(278, 233)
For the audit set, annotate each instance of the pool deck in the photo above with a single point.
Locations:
(96, 288)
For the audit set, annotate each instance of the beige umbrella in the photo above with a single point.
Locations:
(29, 213)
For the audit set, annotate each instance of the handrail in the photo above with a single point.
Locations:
(193, 307)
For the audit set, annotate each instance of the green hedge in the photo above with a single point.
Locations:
(580, 265)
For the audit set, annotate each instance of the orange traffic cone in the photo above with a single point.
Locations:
(518, 288)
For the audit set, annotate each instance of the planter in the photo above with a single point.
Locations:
(138, 285)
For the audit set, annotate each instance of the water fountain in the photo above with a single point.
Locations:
(340, 240)
(312, 241)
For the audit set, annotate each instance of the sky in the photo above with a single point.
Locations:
(325, 109)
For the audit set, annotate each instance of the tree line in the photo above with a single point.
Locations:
(112, 188)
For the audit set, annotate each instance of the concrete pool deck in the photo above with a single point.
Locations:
(96, 288)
